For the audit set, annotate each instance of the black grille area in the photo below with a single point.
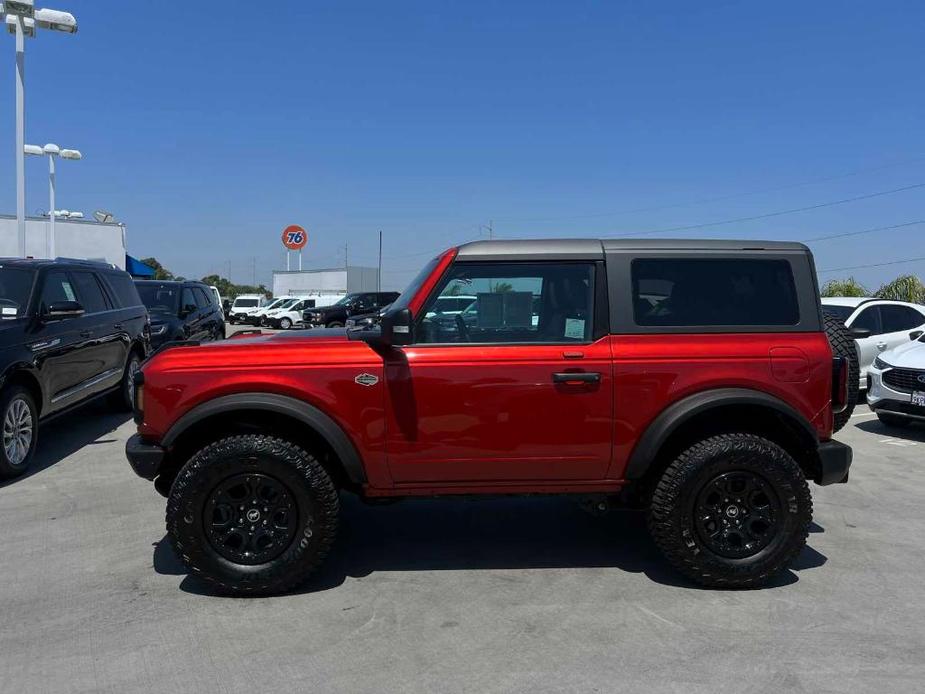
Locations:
(905, 380)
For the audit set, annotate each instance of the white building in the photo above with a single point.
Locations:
(325, 286)
(89, 240)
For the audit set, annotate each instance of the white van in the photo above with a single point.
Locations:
(243, 306)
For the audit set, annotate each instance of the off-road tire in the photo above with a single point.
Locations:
(285, 323)
(671, 513)
(9, 469)
(121, 399)
(843, 346)
(297, 470)
(892, 420)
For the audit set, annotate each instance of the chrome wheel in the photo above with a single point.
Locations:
(17, 431)
(133, 368)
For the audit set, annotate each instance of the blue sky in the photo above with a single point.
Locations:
(207, 131)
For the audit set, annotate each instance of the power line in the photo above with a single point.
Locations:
(862, 267)
(719, 198)
(863, 231)
(776, 213)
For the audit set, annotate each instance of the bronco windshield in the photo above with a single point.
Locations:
(15, 288)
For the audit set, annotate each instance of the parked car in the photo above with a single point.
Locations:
(288, 315)
(694, 378)
(365, 321)
(70, 331)
(877, 325)
(218, 299)
(183, 310)
(256, 317)
(243, 306)
(335, 316)
(273, 309)
(896, 384)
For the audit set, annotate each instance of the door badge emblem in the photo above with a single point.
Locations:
(365, 379)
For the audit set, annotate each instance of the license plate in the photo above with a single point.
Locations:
(918, 397)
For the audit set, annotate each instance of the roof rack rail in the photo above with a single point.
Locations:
(84, 261)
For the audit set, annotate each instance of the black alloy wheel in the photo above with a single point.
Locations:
(736, 514)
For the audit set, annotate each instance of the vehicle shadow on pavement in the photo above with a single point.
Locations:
(479, 534)
(913, 432)
(67, 434)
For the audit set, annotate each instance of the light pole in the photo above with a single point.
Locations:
(52, 151)
(22, 19)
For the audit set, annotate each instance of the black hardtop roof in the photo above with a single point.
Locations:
(595, 248)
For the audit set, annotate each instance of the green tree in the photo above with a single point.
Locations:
(160, 272)
(229, 290)
(903, 288)
(848, 287)
(503, 287)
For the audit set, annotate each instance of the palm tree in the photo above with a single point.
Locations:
(848, 287)
(903, 288)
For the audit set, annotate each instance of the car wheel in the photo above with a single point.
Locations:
(124, 398)
(252, 514)
(732, 510)
(892, 420)
(335, 324)
(19, 421)
(843, 346)
(285, 323)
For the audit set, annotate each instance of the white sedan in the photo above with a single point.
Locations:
(896, 388)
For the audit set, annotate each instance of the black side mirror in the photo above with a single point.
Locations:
(397, 328)
(186, 310)
(59, 310)
(859, 333)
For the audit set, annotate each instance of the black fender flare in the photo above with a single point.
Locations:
(296, 409)
(676, 414)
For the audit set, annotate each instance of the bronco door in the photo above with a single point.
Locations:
(517, 389)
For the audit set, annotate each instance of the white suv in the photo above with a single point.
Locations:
(896, 384)
(259, 316)
(877, 325)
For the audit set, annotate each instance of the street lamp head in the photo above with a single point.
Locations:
(51, 149)
(71, 154)
(56, 21)
(20, 8)
(34, 150)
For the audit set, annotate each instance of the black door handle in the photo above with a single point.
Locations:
(85, 333)
(915, 334)
(576, 377)
(118, 326)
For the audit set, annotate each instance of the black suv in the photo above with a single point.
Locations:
(181, 311)
(336, 315)
(70, 330)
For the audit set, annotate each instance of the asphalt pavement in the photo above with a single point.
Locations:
(525, 594)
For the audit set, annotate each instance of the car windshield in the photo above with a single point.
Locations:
(412, 289)
(287, 303)
(840, 312)
(160, 298)
(15, 288)
(245, 303)
(345, 300)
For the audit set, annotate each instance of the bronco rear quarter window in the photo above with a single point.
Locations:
(681, 292)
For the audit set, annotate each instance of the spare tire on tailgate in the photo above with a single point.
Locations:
(843, 346)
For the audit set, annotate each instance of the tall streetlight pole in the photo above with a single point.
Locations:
(22, 19)
(52, 151)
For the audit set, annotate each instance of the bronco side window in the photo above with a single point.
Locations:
(511, 303)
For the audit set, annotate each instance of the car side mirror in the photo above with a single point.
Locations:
(397, 328)
(859, 333)
(186, 310)
(59, 310)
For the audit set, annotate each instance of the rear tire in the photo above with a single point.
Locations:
(19, 431)
(892, 420)
(731, 511)
(285, 323)
(123, 399)
(335, 324)
(252, 515)
(843, 346)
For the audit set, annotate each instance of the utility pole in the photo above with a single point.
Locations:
(346, 264)
(379, 271)
(491, 231)
(254, 269)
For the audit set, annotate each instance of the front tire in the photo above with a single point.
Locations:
(124, 398)
(18, 431)
(335, 324)
(731, 511)
(285, 323)
(252, 515)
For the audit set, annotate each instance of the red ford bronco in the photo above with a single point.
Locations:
(699, 379)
